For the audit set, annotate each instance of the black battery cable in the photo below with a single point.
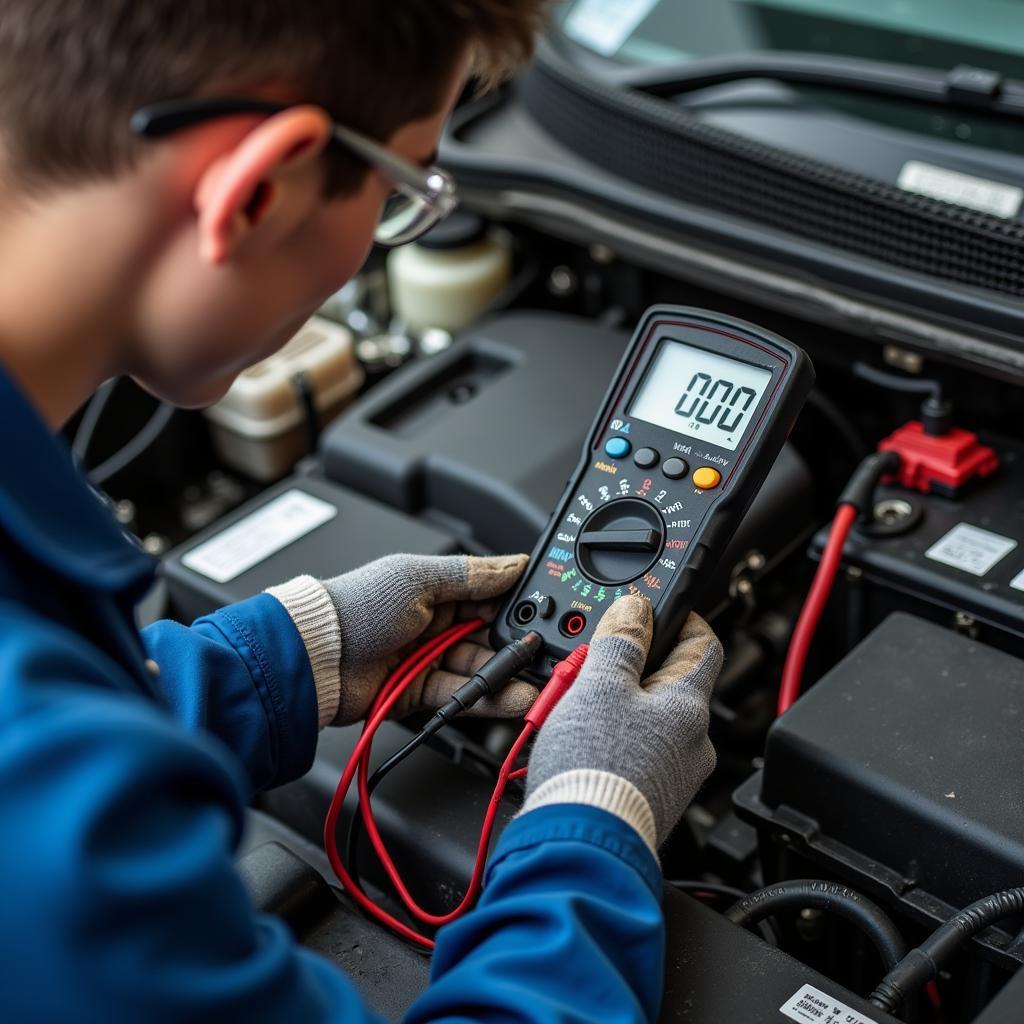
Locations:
(922, 965)
(868, 917)
(936, 409)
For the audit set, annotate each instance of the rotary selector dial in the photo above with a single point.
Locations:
(619, 542)
(620, 537)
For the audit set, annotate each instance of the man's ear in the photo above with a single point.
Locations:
(268, 177)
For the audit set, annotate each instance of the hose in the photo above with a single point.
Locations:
(868, 917)
(695, 887)
(922, 964)
(90, 420)
(840, 422)
(123, 458)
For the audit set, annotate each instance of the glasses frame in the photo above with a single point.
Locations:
(433, 187)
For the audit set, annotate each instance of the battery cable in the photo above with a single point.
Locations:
(856, 499)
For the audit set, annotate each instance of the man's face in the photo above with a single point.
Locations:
(200, 325)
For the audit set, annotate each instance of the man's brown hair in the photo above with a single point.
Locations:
(72, 72)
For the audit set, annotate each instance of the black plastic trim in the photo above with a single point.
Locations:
(672, 152)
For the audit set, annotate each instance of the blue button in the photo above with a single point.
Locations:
(617, 448)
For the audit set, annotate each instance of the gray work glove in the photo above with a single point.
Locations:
(388, 608)
(615, 737)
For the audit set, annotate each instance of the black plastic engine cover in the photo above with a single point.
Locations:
(899, 772)
(485, 433)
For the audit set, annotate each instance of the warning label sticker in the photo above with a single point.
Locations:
(258, 536)
(812, 1006)
(971, 549)
(962, 189)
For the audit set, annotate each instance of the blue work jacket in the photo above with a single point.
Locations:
(127, 759)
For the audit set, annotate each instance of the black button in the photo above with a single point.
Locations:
(675, 469)
(646, 457)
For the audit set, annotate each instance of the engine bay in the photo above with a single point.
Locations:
(894, 778)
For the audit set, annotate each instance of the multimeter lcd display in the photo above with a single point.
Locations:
(699, 394)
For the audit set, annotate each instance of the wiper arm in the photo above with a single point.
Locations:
(964, 87)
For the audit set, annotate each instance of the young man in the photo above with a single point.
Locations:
(179, 244)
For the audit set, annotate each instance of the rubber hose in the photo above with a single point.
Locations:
(872, 921)
(921, 965)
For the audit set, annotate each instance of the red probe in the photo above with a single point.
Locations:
(561, 679)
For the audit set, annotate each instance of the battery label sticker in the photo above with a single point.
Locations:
(604, 25)
(258, 536)
(1018, 581)
(971, 549)
(961, 189)
(812, 1006)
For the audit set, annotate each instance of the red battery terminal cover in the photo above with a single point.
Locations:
(939, 464)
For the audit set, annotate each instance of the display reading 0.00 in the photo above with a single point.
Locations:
(704, 396)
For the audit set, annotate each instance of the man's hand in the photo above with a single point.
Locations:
(615, 738)
(388, 608)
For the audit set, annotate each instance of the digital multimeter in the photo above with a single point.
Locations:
(696, 415)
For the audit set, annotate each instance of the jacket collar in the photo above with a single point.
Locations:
(49, 509)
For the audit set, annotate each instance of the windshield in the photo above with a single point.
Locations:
(932, 33)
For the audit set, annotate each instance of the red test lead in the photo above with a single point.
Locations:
(562, 677)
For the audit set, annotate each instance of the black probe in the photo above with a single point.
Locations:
(488, 681)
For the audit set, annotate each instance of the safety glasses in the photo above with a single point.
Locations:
(423, 196)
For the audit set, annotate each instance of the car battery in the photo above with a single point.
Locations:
(301, 525)
(898, 773)
(958, 562)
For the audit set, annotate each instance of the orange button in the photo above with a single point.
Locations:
(706, 478)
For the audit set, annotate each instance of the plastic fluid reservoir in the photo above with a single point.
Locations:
(450, 276)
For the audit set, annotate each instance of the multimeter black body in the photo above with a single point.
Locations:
(696, 415)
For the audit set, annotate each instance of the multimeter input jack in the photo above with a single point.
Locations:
(524, 613)
(572, 624)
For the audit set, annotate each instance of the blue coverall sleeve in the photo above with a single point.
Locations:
(243, 675)
(121, 901)
(569, 928)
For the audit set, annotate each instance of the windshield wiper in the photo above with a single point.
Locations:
(964, 87)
